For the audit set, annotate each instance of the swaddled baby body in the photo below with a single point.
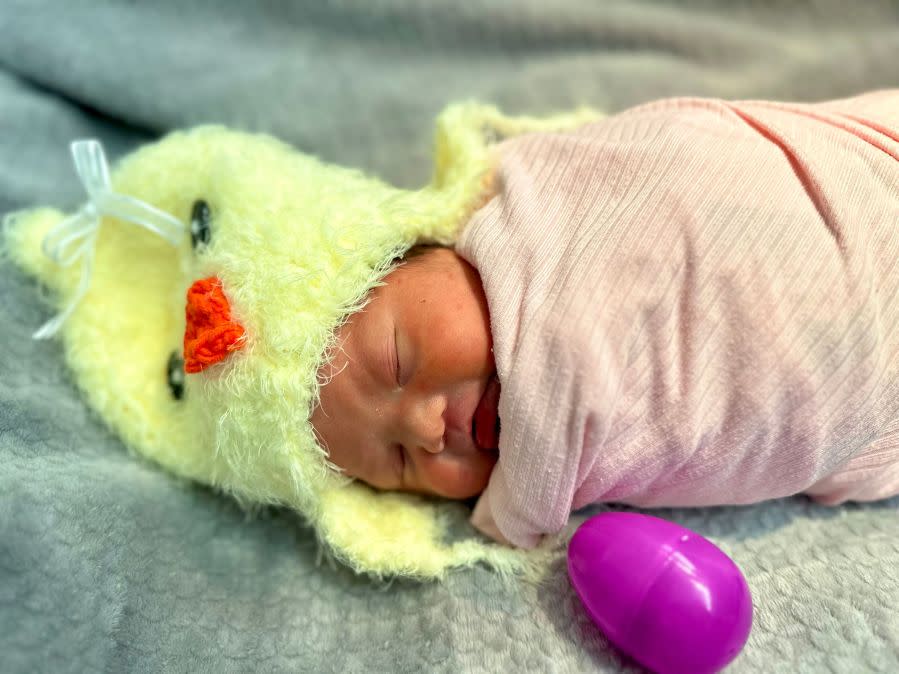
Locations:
(693, 302)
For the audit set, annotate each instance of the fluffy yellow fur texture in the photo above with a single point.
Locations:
(298, 245)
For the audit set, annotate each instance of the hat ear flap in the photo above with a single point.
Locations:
(23, 237)
(461, 141)
(390, 533)
(465, 132)
(463, 156)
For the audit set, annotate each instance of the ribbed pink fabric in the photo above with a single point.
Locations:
(694, 302)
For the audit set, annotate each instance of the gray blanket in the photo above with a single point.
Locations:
(107, 563)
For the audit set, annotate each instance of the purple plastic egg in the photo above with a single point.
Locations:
(664, 595)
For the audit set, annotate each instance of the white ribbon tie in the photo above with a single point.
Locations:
(75, 237)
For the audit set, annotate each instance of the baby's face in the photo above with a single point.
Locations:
(398, 408)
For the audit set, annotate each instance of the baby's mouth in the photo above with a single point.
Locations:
(485, 422)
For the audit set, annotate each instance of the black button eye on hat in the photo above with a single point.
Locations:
(200, 215)
(175, 375)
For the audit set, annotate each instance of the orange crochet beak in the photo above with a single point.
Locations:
(211, 333)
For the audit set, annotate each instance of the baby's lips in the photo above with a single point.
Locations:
(211, 334)
(485, 418)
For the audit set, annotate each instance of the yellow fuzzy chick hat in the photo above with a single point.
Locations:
(200, 289)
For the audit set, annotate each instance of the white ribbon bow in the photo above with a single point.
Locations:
(75, 237)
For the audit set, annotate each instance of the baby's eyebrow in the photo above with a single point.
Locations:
(386, 364)
(377, 361)
(359, 356)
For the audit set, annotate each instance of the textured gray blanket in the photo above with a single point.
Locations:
(107, 563)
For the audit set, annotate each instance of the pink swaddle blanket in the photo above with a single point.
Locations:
(694, 302)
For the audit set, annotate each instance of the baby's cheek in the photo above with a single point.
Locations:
(459, 477)
(464, 346)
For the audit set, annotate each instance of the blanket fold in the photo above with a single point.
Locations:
(694, 302)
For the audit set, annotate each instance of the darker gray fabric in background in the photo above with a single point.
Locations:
(107, 563)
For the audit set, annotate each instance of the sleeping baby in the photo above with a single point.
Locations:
(693, 302)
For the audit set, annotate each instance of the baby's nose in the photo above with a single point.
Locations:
(422, 423)
(435, 447)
